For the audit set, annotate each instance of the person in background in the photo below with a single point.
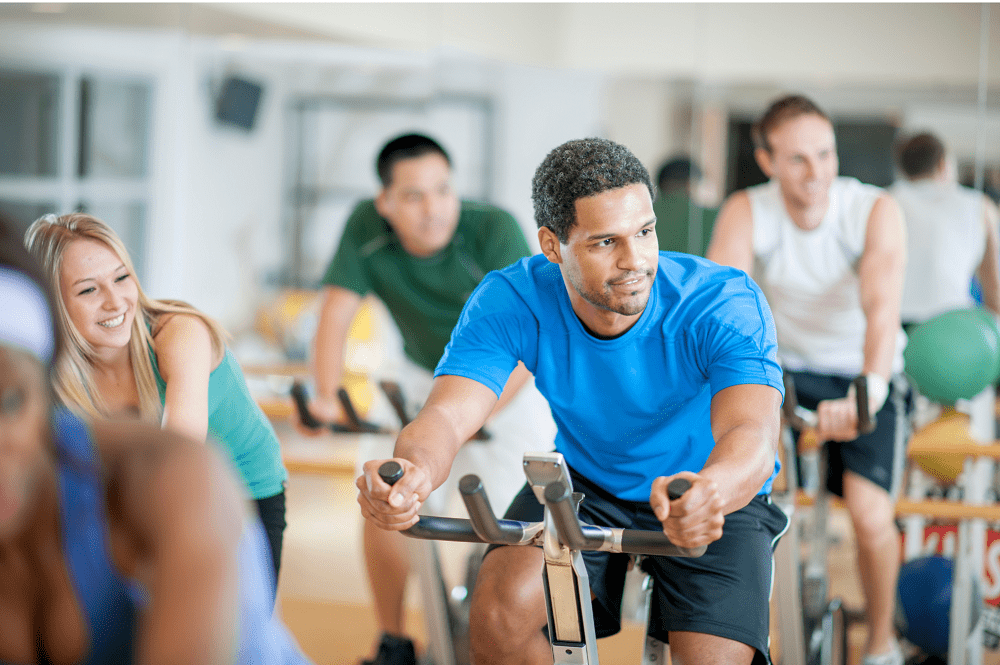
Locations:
(830, 253)
(119, 542)
(951, 234)
(682, 224)
(422, 251)
(162, 361)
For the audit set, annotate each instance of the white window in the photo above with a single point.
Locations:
(77, 141)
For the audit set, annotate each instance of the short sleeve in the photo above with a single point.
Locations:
(487, 341)
(737, 344)
(501, 241)
(347, 269)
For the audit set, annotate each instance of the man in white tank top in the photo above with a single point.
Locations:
(951, 234)
(830, 254)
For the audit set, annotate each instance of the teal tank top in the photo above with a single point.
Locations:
(239, 426)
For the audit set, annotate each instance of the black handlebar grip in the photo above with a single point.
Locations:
(302, 406)
(390, 472)
(866, 421)
(677, 487)
(348, 405)
(395, 396)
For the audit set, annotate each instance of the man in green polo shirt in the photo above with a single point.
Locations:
(422, 252)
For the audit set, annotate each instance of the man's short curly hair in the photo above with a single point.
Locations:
(578, 169)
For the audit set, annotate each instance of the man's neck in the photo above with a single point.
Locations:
(806, 218)
(598, 335)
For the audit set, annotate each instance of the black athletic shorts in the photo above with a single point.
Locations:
(878, 456)
(724, 592)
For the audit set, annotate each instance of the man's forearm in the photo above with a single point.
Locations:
(430, 443)
(881, 332)
(328, 348)
(989, 267)
(328, 364)
(741, 462)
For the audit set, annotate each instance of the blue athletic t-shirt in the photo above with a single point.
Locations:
(635, 407)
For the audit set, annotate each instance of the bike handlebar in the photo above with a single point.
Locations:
(354, 423)
(486, 528)
(802, 418)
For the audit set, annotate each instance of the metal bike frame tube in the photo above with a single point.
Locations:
(568, 604)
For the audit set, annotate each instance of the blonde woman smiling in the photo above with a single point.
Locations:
(159, 360)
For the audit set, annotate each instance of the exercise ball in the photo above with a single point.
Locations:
(955, 355)
(923, 603)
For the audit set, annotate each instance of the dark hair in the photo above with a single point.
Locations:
(782, 110)
(920, 155)
(578, 169)
(408, 146)
(15, 256)
(678, 171)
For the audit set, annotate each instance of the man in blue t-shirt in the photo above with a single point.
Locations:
(655, 365)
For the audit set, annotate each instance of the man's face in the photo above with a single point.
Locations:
(610, 259)
(420, 205)
(803, 159)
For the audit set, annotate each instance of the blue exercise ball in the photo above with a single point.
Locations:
(923, 603)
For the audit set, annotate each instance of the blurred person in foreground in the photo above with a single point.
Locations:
(119, 542)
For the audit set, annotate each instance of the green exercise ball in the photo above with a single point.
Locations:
(954, 355)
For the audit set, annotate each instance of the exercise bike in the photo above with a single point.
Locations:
(446, 608)
(562, 538)
(812, 625)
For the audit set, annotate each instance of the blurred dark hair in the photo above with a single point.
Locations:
(15, 256)
(578, 169)
(920, 155)
(677, 171)
(782, 110)
(408, 146)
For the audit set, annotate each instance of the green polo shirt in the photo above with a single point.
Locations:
(674, 214)
(425, 296)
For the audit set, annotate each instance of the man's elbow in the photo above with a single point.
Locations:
(769, 433)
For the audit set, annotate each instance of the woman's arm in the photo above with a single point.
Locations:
(184, 354)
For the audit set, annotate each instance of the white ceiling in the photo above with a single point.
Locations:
(903, 44)
(913, 43)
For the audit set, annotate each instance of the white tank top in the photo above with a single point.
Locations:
(810, 278)
(945, 242)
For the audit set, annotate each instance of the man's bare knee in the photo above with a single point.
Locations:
(508, 605)
(688, 648)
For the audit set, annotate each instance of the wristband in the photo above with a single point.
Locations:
(878, 392)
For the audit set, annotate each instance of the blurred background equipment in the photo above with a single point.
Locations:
(954, 355)
(924, 603)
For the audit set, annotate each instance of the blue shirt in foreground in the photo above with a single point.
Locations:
(635, 407)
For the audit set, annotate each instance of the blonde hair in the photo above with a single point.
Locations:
(47, 238)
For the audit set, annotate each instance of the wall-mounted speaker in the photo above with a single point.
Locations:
(238, 102)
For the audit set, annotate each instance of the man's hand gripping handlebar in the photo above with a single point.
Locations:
(483, 526)
(803, 419)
